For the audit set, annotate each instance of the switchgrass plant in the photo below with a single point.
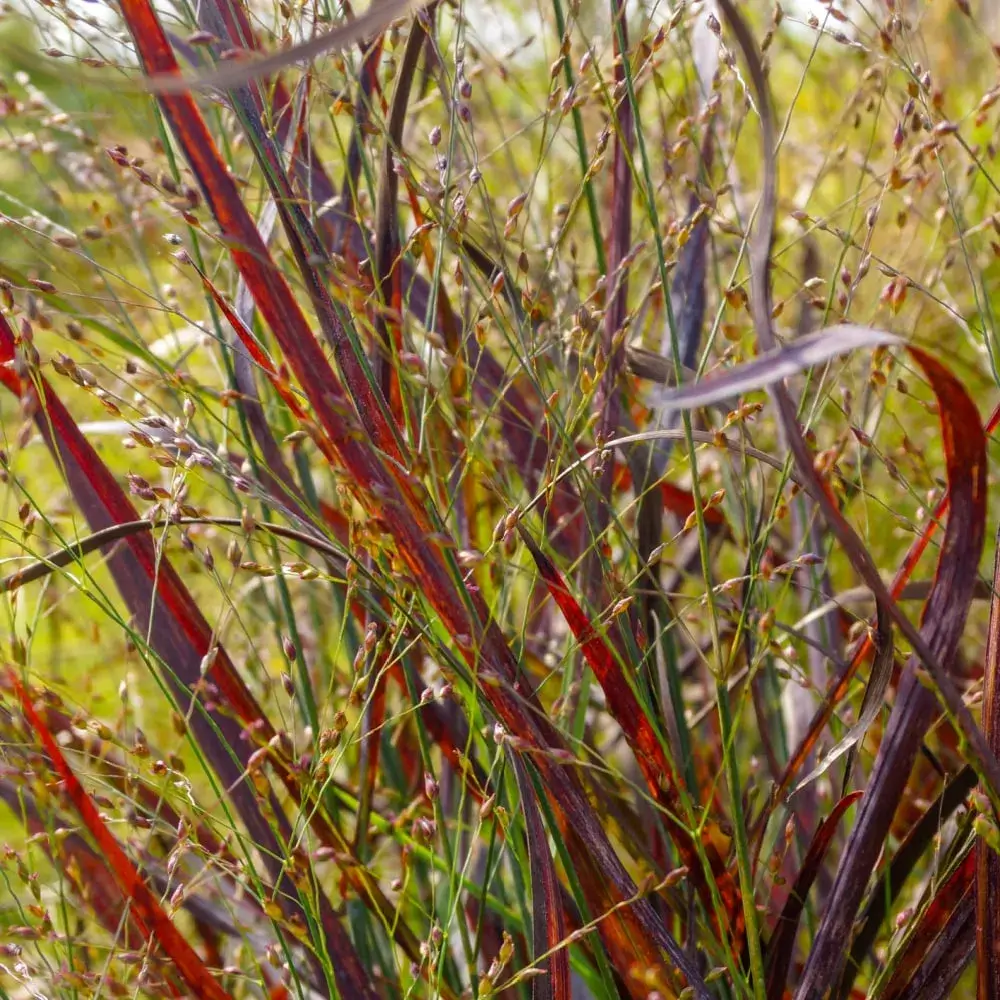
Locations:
(495, 500)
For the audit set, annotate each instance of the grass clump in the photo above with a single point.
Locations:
(495, 501)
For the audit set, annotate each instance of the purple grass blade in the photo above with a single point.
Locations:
(987, 861)
(941, 945)
(547, 923)
(782, 943)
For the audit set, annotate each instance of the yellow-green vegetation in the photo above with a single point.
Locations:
(404, 675)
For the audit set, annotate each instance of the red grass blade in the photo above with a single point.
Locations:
(256, 352)
(871, 704)
(656, 769)
(153, 922)
(271, 292)
(609, 397)
(79, 863)
(782, 943)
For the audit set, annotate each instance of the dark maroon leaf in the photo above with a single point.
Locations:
(548, 926)
(619, 241)
(987, 862)
(782, 943)
(386, 271)
(896, 876)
